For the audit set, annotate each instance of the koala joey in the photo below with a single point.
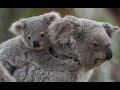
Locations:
(77, 47)
(31, 36)
(34, 30)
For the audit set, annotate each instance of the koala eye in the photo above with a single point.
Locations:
(42, 34)
(28, 37)
(95, 44)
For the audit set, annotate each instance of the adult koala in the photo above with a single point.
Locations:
(77, 47)
(31, 37)
(88, 40)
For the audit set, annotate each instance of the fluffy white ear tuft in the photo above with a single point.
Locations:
(110, 29)
(51, 16)
(17, 28)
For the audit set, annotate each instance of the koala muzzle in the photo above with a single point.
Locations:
(108, 51)
(36, 44)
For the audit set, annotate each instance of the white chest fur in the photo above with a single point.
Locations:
(83, 75)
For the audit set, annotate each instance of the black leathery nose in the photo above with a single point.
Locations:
(108, 51)
(36, 44)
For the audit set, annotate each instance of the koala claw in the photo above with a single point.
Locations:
(6, 78)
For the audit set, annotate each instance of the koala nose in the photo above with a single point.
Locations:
(36, 44)
(108, 51)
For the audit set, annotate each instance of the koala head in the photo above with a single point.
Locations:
(89, 40)
(34, 30)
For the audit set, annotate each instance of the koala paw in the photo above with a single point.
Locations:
(6, 78)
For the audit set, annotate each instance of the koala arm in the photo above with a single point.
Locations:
(11, 60)
(6, 63)
(10, 54)
(3, 59)
(5, 75)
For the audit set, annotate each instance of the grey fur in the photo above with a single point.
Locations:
(32, 28)
(72, 57)
(14, 52)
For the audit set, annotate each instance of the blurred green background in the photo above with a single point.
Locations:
(107, 72)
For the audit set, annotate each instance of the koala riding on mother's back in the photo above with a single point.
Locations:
(31, 36)
(77, 47)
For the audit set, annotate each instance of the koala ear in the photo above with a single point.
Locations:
(110, 29)
(60, 31)
(17, 27)
(52, 16)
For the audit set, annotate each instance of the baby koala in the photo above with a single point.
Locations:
(34, 30)
(31, 36)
